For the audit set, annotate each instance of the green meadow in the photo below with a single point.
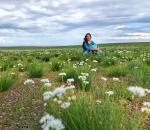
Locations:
(55, 88)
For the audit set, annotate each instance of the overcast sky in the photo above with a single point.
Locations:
(65, 22)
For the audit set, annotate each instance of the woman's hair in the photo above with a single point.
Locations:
(85, 39)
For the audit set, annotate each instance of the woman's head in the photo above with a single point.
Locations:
(87, 37)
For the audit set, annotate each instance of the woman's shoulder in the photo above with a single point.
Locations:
(93, 42)
(84, 42)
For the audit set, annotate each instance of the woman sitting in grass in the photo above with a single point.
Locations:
(88, 45)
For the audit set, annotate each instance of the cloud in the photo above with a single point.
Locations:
(140, 35)
(2, 41)
(58, 22)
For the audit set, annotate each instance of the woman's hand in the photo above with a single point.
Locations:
(95, 49)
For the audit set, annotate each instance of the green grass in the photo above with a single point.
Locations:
(86, 114)
(56, 65)
(120, 111)
(117, 71)
(6, 81)
(35, 70)
(102, 45)
(140, 76)
(75, 73)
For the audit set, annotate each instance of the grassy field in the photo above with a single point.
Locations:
(60, 88)
(103, 45)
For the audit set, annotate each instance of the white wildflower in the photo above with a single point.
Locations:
(137, 90)
(147, 104)
(59, 101)
(45, 80)
(69, 60)
(95, 61)
(45, 118)
(146, 107)
(50, 121)
(70, 80)
(57, 92)
(73, 97)
(45, 104)
(74, 66)
(115, 79)
(47, 84)
(69, 87)
(147, 90)
(81, 63)
(55, 99)
(29, 82)
(47, 95)
(69, 98)
(82, 77)
(62, 74)
(56, 124)
(65, 105)
(86, 82)
(103, 78)
(20, 65)
(109, 93)
(85, 74)
(98, 101)
(22, 68)
(94, 70)
(13, 73)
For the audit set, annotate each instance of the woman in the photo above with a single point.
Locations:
(88, 45)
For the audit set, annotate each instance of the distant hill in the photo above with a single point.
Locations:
(135, 44)
(103, 45)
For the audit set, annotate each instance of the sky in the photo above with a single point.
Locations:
(65, 22)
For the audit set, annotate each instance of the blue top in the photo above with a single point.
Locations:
(88, 46)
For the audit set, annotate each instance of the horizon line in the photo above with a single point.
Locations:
(69, 45)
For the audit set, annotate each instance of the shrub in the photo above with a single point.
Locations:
(76, 56)
(147, 61)
(134, 65)
(108, 61)
(117, 71)
(45, 57)
(4, 65)
(99, 57)
(6, 81)
(70, 73)
(35, 70)
(86, 114)
(75, 73)
(140, 76)
(56, 65)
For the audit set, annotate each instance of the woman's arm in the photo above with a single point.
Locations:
(95, 47)
(86, 47)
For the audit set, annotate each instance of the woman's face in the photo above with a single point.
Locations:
(88, 37)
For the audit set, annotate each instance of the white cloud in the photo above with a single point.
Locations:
(139, 35)
(66, 21)
(2, 40)
(4, 13)
(55, 3)
(120, 26)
